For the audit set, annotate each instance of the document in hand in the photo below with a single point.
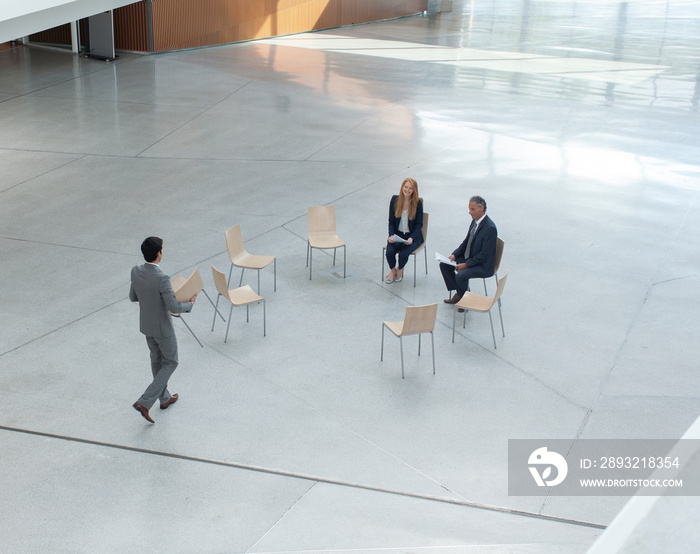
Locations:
(443, 259)
(185, 289)
(398, 239)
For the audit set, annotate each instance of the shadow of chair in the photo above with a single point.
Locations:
(242, 296)
(241, 258)
(323, 235)
(185, 289)
(418, 320)
(480, 303)
(422, 247)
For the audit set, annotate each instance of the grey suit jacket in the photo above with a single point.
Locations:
(151, 288)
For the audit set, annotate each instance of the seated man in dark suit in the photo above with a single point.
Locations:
(476, 256)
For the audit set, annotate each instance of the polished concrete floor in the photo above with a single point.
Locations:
(577, 121)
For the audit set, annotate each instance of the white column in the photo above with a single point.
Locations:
(74, 37)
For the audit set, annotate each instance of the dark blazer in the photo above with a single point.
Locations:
(151, 288)
(482, 253)
(415, 225)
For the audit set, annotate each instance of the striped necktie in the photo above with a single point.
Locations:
(472, 232)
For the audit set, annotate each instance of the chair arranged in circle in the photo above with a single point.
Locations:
(244, 260)
(480, 303)
(242, 296)
(418, 320)
(323, 235)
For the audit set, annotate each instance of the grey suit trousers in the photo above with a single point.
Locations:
(163, 364)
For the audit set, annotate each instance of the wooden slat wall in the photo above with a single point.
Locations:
(130, 30)
(131, 27)
(181, 24)
(190, 23)
(57, 35)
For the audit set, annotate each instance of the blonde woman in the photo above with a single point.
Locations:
(405, 228)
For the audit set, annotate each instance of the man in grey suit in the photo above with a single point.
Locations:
(476, 256)
(151, 288)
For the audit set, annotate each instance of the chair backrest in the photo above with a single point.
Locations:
(419, 319)
(499, 255)
(501, 286)
(176, 282)
(220, 282)
(234, 243)
(185, 289)
(321, 220)
(424, 229)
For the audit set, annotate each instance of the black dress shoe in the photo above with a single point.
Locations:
(172, 400)
(143, 411)
(456, 298)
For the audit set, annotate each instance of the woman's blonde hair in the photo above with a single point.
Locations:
(398, 207)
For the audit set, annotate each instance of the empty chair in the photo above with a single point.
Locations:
(241, 258)
(242, 296)
(424, 230)
(322, 234)
(480, 303)
(418, 320)
(184, 289)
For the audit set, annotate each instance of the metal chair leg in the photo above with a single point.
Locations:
(381, 357)
(240, 282)
(401, 343)
(454, 319)
(190, 330)
(381, 276)
(493, 335)
(419, 336)
(500, 316)
(414, 271)
(229, 322)
(228, 282)
(264, 321)
(499, 300)
(215, 308)
(310, 260)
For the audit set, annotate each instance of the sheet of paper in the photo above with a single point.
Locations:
(397, 238)
(444, 259)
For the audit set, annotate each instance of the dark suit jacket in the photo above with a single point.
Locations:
(151, 288)
(415, 225)
(482, 254)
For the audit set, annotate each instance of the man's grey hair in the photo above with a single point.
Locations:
(479, 201)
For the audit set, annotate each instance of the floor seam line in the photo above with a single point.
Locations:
(328, 481)
(301, 497)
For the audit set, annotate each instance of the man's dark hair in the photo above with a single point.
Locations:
(479, 201)
(150, 248)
